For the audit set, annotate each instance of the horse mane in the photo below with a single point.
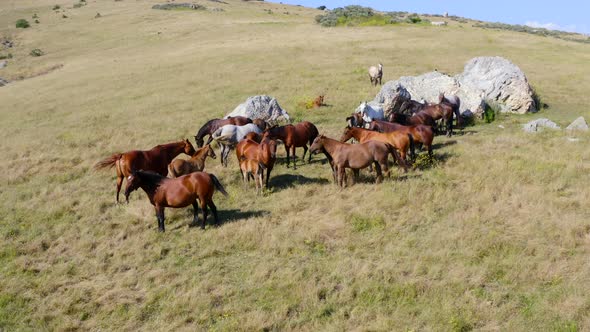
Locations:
(150, 178)
(167, 145)
(206, 126)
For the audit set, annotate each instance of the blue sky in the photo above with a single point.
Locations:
(567, 15)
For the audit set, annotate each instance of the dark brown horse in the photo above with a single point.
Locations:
(455, 102)
(177, 193)
(180, 167)
(355, 156)
(420, 133)
(156, 159)
(212, 125)
(443, 112)
(294, 136)
(401, 141)
(419, 118)
(264, 152)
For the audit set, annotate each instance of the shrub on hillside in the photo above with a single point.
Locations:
(364, 16)
(36, 52)
(322, 7)
(413, 18)
(22, 23)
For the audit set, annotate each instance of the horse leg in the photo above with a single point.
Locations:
(304, 152)
(119, 183)
(195, 214)
(379, 174)
(287, 149)
(450, 126)
(294, 156)
(214, 210)
(341, 176)
(268, 175)
(221, 153)
(430, 150)
(385, 168)
(204, 208)
(355, 177)
(160, 216)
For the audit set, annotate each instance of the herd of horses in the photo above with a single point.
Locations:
(173, 182)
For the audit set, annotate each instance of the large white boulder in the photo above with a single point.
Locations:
(260, 107)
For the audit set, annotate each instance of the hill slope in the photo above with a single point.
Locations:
(495, 236)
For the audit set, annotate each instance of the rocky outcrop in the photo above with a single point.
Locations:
(579, 124)
(260, 107)
(539, 124)
(492, 80)
(3, 82)
(502, 82)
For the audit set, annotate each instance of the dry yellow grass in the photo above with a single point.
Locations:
(495, 237)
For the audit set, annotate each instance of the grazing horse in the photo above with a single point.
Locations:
(376, 74)
(419, 118)
(264, 152)
(212, 125)
(294, 136)
(455, 102)
(156, 159)
(442, 111)
(180, 167)
(420, 133)
(229, 135)
(180, 192)
(355, 156)
(254, 168)
(401, 141)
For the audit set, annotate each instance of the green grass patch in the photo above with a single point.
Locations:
(365, 223)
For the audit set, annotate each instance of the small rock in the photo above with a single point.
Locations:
(3, 82)
(539, 124)
(572, 139)
(501, 126)
(578, 124)
(7, 43)
(3, 64)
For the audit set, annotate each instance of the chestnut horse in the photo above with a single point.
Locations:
(294, 136)
(401, 141)
(180, 167)
(180, 192)
(212, 125)
(156, 159)
(256, 137)
(420, 133)
(264, 152)
(252, 167)
(355, 156)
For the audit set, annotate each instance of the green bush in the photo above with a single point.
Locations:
(22, 23)
(364, 16)
(4, 57)
(413, 18)
(56, 7)
(36, 52)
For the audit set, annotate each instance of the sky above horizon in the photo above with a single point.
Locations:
(566, 15)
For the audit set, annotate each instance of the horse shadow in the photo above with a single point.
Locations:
(440, 145)
(226, 216)
(284, 181)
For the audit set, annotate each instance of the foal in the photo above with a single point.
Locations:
(180, 167)
(252, 167)
(264, 152)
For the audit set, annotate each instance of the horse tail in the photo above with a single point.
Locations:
(108, 162)
(412, 146)
(397, 157)
(218, 185)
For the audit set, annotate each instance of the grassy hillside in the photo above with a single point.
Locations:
(495, 236)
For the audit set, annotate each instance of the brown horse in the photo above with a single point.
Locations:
(455, 102)
(294, 136)
(212, 125)
(419, 118)
(180, 167)
(420, 133)
(156, 159)
(442, 111)
(401, 141)
(177, 193)
(355, 156)
(264, 152)
(252, 167)
(256, 137)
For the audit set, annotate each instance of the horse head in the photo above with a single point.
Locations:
(318, 144)
(346, 135)
(188, 147)
(133, 182)
(211, 152)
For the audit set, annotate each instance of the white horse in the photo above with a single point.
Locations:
(229, 135)
(375, 74)
(370, 112)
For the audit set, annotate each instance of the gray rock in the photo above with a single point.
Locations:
(491, 80)
(578, 124)
(539, 124)
(7, 43)
(3, 63)
(502, 82)
(260, 107)
(3, 82)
